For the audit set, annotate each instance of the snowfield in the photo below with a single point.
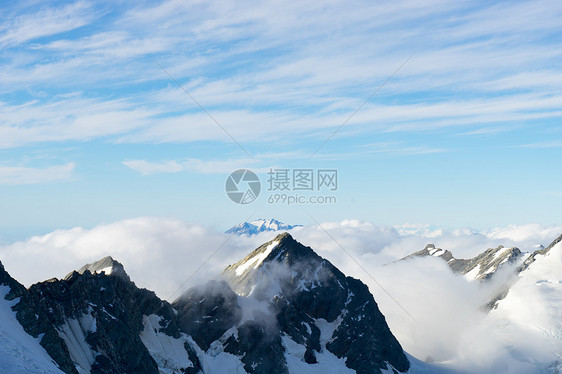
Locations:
(530, 316)
(20, 353)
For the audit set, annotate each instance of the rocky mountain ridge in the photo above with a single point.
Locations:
(282, 309)
(486, 265)
(481, 267)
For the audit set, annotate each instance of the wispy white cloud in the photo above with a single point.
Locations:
(172, 166)
(21, 175)
(398, 148)
(68, 118)
(269, 70)
(77, 118)
(45, 22)
(545, 144)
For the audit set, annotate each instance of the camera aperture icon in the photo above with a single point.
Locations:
(243, 186)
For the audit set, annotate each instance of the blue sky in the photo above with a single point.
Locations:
(93, 130)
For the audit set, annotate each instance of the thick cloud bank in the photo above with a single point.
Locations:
(435, 314)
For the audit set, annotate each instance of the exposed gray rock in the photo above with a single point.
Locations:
(107, 265)
(485, 265)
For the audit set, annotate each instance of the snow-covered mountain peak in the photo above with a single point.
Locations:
(259, 225)
(283, 249)
(319, 311)
(432, 250)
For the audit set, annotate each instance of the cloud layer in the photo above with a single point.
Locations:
(447, 324)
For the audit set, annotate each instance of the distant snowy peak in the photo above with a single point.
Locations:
(260, 225)
(481, 267)
(431, 250)
(106, 265)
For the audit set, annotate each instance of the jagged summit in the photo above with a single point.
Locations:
(106, 265)
(316, 307)
(258, 226)
(282, 251)
(431, 250)
(282, 247)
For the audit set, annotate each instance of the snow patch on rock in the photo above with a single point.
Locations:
(256, 260)
(168, 352)
(74, 332)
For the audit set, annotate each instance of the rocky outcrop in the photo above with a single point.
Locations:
(540, 252)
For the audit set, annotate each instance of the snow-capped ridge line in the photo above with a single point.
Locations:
(481, 267)
(538, 252)
(258, 226)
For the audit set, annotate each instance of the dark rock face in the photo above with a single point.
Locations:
(35, 323)
(362, 336)
(115, 304)
(261, 349)
(16, 289)
(206, 313)
(118, 308)
(303, 288)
